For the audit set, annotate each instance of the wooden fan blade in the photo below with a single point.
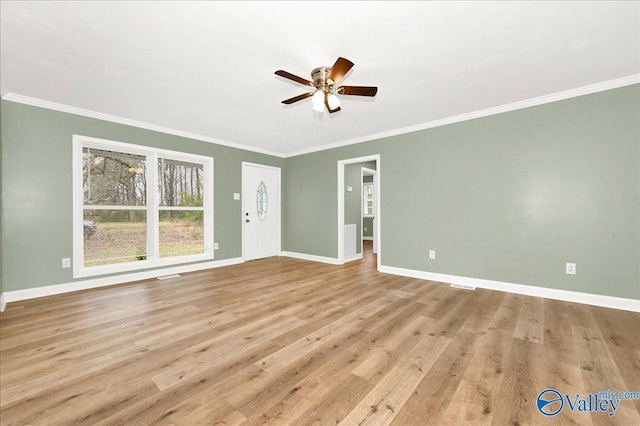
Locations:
(339, 69)
(326, 103)
(298, 98)
(295, 78)
(357, 90)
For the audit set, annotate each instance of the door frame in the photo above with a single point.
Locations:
(341, 190)
(242, 200)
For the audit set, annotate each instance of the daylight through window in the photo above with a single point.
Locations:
(137, 207)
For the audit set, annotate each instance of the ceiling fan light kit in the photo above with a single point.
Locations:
(318, 101)
(334, 102)
(324, 81)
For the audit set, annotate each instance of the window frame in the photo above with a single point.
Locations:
(152, 208)
(364, 199)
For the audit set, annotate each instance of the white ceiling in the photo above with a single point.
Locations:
(206, 69)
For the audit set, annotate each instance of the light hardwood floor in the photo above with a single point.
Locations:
(284, 341)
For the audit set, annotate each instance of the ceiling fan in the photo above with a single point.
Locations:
(325, 81)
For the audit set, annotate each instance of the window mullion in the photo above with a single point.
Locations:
(153, 234)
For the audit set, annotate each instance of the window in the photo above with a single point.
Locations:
(262, 201)
(367, 202)
(136, 207)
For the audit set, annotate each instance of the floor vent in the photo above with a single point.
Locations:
(464, 287)
(168, 277)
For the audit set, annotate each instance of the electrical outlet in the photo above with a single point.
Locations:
(365, 228)
(432, 254)
(66, 262)
(215, 246)
(236, 196)
(570, 268)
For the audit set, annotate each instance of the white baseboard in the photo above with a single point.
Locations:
(367, 238)
(50, 290)
(311, 257)
(632, 305)
(358, 256)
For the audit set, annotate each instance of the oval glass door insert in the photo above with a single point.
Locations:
(262, 201)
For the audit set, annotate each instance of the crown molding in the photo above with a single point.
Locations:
(554, 97)
(13, 97)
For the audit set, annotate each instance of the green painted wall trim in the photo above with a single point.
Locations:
(37, 193)
(511, 197)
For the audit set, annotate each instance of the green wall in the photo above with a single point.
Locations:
(367, 222)
(37, 192)
(510, 197)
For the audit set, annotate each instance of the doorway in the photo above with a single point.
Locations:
(260, 211)
(341, 205)
(369, 193)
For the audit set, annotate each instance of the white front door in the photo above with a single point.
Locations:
(260, 211)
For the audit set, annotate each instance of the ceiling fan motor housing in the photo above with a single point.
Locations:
(319, 76)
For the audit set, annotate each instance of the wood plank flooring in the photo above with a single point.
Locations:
(285, 341)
